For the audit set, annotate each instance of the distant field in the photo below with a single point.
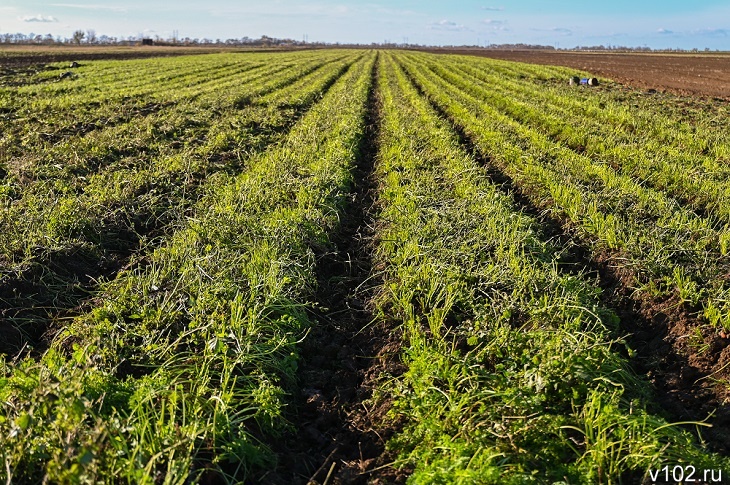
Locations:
(32, 56)
(347, 266)
(704, 73)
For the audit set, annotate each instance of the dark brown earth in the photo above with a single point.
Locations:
(689, 74)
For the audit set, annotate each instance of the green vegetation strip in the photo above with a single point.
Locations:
(68, 124)
(181, 373)
(87, 181)
(672, 250)
(688, 161)
(104, 191)
(92, 221)
(513, 376)
(70, 136)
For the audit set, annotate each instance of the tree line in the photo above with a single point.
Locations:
(90, 37)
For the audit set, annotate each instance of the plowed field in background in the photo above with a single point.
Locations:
(702, 74)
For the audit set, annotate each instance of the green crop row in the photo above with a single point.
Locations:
(91, 129)
(656, 150)
(88, 176)
(96, 219)
(91, 95)
(181, 372)
(512, 372)
(672, 250)
(64, 120)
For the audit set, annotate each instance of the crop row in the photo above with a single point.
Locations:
(93, 219)
(689, 164)
(74, 141)
(173, 222)
(672, 250)
(75, 127)
(180, 373)
(512, 372)
(197, 135)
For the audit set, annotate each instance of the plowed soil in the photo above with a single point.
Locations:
(688, 74)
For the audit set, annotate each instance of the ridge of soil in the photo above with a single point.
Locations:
(683, 373)
(340, 436)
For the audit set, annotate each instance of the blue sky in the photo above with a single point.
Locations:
(563, 23)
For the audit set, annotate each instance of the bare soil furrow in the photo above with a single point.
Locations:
(339, 438)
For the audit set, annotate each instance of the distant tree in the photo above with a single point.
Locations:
(91, 36)
(78, 36)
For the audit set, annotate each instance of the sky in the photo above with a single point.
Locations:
(683, 24)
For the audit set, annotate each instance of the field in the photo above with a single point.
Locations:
(348, 266)
(705, 74)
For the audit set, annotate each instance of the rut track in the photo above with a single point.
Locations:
(339, 437)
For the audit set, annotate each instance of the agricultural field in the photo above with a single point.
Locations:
(696, 73)
(345, 266)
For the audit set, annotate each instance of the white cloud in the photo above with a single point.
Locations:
(90, 7)
(449, 26)
(496, 25)
(664, 31)
(555, 30)
(493, 9)
(276, 11)
(712, 32)
(38, 18)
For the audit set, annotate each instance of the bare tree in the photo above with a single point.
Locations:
(91, 36)
(78, 36)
